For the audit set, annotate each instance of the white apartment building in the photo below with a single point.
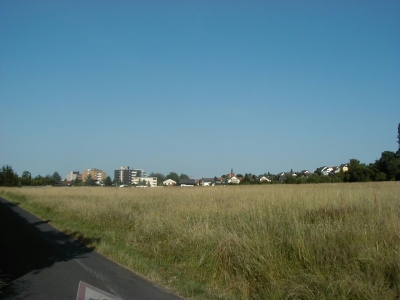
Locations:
(128, 176)
(147, 181)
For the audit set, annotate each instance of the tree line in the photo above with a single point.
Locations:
(90, 181)
(386, 168)
(8, 177)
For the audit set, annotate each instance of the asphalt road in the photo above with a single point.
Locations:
(41, 262)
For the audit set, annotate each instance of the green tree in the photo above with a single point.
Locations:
(290, 179)
(255, 179)
(78, 182)
(36, 181)
(48, 179)
(116, 182)
(389, 164)
(398, 139)
(107, 181)
(172, 175)
(89, 180)
(160, 177)
(301, 179)
(247, 178)
(8, 177)
(377, 175)
(184, 176)
(56, 177)
(358, 172)
(26, 178)
(40, 180)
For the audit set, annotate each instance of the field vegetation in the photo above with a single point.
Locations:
(315, 241)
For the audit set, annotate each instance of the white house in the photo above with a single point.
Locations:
(233, 180)
(326, 171)
(265, 178)
(207, 181)
(169, 182)
(335, 170)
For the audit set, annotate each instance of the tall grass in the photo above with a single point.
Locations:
(330, 241)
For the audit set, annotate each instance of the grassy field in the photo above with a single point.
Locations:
(327, 241)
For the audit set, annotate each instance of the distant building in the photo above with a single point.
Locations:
(74, 175)
(187, 182)
(208, 181)
(265, 178)
(233, 180)
(231, 174)
(96, 174)
(139, 173)
(169, 182)
(123, 176)
(128, 176)
(145, 181)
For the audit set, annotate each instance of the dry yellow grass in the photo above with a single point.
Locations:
(327, 241)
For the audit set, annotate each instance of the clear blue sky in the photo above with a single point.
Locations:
(197, 87)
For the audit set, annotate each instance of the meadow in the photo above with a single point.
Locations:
(322, 241)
